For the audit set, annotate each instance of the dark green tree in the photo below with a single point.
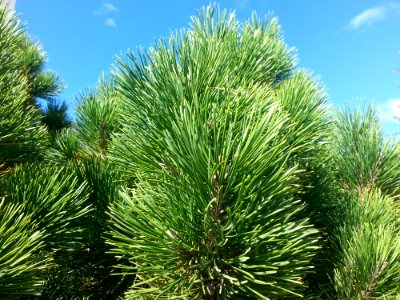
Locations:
(39, 204)
(22, 136)
(88, 270)
(55, 116)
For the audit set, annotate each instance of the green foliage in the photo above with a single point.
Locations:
(21, 262)
(97, 117)
(46, 85)
(22, 137)
(22, 80)
(39, 204)
(369, 249)
(86, 270)
(40, 210)
(64, 148)
(207, 167)
(374, 162)
(52, 197)
(104, 181)
(364, 223)
(31, 60)
(55, 116)
(214, 212)
(305, 102)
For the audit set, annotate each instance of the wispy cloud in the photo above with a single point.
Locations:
(368, 17)
(390, 111)
(105, 9)
(110, 23)
(110, 7)
(373, 15)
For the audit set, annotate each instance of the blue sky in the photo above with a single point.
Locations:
(352, 46)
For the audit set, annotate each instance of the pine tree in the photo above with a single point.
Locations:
(208, 167)
(217, 130)
(39, 204)
(243, 186)
(88, 270)
(55, 116)
(366, 239)
(22, 136)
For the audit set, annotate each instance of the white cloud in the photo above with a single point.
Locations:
(110, 23)
(106, 9)
(368, 17)
(110, 7)
(390, 111)
(374, 15)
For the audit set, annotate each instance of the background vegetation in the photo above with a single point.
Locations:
(207, 167)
